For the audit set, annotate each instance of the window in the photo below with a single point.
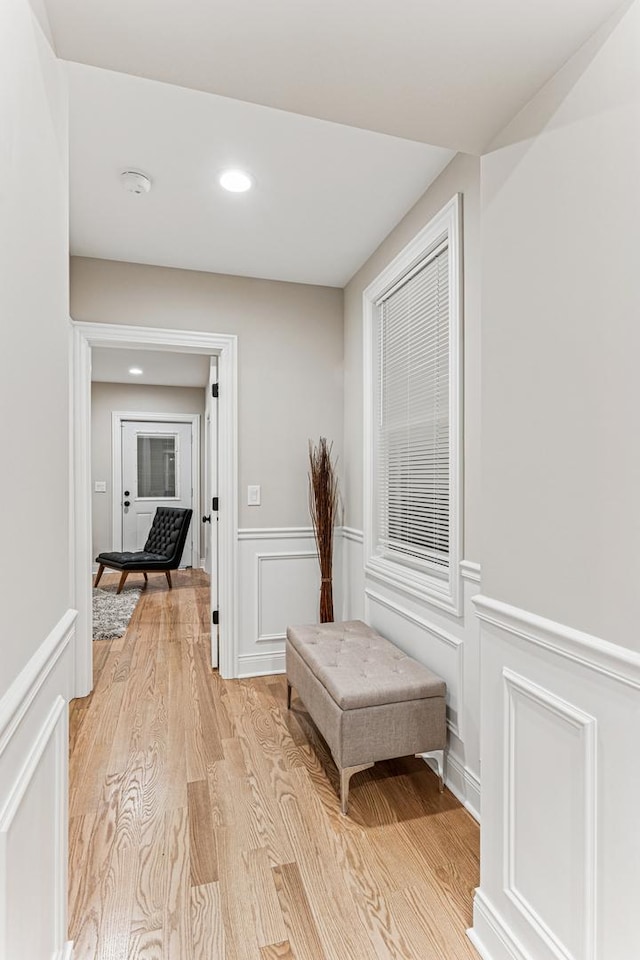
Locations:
(412, 404)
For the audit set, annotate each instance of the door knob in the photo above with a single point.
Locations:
(126, 493)
(207, 519)
(127, 503)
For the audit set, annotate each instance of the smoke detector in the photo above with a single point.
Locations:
(135, 182)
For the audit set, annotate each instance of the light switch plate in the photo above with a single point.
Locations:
(253, 495)
(100, 486)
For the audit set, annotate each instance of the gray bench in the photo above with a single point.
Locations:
(368, 699)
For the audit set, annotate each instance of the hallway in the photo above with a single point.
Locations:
(204, 821)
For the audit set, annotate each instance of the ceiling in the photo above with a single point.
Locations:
(325, 194)
(159, 367)
(343, 112)
(446, 72)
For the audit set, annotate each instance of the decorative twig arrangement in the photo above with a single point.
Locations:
(323, 506)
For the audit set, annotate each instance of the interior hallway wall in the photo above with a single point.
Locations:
(561, 513)
(444, 642)
(290, 362)
(37, 637)
(132, 397)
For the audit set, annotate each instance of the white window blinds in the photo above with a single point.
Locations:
(412, 446)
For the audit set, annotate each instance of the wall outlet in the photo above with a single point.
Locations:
(253, 495)
(100, 486)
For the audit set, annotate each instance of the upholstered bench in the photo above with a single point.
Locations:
(368, 699)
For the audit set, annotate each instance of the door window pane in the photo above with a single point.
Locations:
(157, 458)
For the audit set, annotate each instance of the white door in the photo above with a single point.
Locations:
(156, 472)
(211, 501)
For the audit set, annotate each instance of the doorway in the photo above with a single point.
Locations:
(156, 463)
(85, 338)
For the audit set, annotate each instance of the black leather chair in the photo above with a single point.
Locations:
(162, 551)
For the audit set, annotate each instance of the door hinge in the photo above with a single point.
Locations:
(214, 504)
(215, 617)
(214, 390)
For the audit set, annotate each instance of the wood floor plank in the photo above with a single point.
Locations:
(202, 839)
(303, 935)
(177, 940)
(206, 923)
(205, 820)
(267, 915)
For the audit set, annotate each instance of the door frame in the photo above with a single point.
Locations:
(85, 337)
(117, 419)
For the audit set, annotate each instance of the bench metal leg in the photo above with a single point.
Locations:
(288, 695)
(438, 757)
(345, 776)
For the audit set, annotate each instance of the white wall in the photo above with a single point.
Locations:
(446, 643)
(134, 397)
(37, 627)
(290, 362)
(560, 342)
(560, 863)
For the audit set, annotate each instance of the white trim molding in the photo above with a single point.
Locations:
(516, 690)
(34, 744)
(261, 664)
(351, 533)
(275, 533)
(66, 953)
(455, 643)
(610, 659)
(261, 559)
(86, 336)
(118, 417)
(558, 869)
(25, 688)
(470, 571)
(442, 589)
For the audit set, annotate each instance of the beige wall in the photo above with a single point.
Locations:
(290, 362)
(560, 345)
(462, 175)
(135, 398)
(34, 316)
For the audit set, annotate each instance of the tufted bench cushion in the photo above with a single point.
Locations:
(359, 668)
(368, 699)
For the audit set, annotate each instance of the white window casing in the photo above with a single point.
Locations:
(413, 416)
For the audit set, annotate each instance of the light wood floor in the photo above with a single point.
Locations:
(204, 819)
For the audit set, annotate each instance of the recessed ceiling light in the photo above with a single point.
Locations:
(136, 371)
(236, 181)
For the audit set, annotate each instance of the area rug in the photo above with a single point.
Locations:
(111, 612)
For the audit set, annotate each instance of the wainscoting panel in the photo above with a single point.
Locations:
(560, 862)
(447, 644)
(34, 801)
(279, 584)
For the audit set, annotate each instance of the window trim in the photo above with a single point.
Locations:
(443, 592)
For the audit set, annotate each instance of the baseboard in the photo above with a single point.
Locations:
(261, 664)
(464, 785)
(66, 953)
(490, 937)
